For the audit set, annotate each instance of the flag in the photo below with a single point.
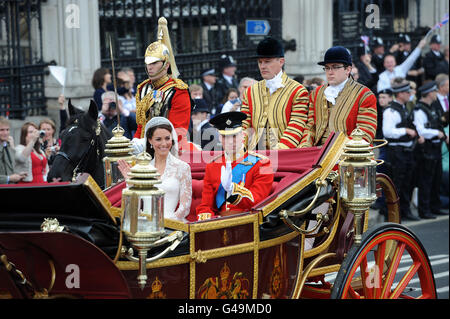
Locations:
(365, 39)
(59, 73)
(440, 24)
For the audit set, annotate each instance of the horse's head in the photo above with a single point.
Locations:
(82, 146)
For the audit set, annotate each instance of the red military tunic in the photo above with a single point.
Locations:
(179, 113)
(256, 187)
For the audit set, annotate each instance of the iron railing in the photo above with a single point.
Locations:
(200, 30)
(21, 67)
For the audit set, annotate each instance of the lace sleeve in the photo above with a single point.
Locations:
(185, 178)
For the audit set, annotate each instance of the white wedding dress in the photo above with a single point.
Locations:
(177, 184)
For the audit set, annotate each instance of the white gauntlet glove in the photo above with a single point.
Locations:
(226, 177)
(138, 145)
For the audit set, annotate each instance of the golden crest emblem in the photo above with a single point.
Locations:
(157, 290)
(225, 286)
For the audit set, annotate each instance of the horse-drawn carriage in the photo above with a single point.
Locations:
(284, 247)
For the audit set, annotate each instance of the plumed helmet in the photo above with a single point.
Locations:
(270, 47)
(161, 50)
(337, 54)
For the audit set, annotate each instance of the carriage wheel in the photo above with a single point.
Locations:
(370, 272)
(392, 199)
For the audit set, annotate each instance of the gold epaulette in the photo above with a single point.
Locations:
(179, 84)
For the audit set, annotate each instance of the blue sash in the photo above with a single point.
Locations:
(238, 173)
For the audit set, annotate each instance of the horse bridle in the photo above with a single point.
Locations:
(94, 141)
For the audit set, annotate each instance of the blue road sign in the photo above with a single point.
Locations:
(257, 27)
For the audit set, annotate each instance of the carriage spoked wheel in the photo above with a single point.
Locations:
(390, 263)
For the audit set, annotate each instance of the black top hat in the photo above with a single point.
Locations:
(228, 123)
(200, 105)
(226, 61)
(337, 55)
(404, 38)
(427, 88)
(269, 47)
(436, 39)
(209, 71)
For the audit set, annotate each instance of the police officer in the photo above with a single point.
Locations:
(429, 126)
(416, 71)
(227, 78)
(399, 131)
(378, 54)
(434, 62)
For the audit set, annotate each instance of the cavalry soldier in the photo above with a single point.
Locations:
(340, 106)
(277, 106)
(427, 120)
(236, 180)
(399, 131)
(162, 94)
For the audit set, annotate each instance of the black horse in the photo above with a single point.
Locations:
(83, 143)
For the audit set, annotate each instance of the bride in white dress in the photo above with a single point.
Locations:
(161, 143)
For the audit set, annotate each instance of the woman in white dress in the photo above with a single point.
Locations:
(161, 143)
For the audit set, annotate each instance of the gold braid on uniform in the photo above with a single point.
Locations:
(142, 106)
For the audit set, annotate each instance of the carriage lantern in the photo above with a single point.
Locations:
(357, 170)
(143, 216)
(117, 148)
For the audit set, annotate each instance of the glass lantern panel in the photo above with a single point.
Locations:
(149, 213)
(363, 179)
(112, 173)
(144, 216)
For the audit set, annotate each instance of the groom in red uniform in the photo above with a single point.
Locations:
(237, 180)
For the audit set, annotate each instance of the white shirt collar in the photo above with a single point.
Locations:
(437, 53)
(208, 86)
(228, 78)
(275, 83)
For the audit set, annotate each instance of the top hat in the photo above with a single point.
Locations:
(337, 54)
(427, 88)
(436, 39)
(269, 47)
(226, 61)
(200, 105)
(228, 123)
